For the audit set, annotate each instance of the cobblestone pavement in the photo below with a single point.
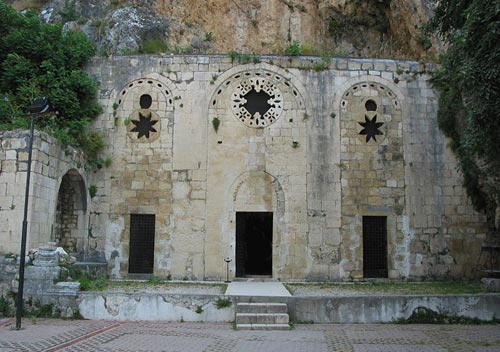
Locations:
(104, 336)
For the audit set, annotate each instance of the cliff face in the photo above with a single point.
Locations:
(382, 28)
(375, 28)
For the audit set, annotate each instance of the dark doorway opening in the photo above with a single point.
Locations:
(142, 243)
(254, 240)
(374, 246)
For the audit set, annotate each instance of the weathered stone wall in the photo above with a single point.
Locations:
(50, 163)
(308, 161)
(443, 233)
(321, 150)
(322, 310)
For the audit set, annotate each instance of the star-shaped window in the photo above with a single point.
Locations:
(144, 125)
(257, 102)
(371, 128)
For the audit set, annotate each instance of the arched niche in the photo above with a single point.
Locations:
(70, 229)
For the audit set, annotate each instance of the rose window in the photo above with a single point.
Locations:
(257, 102)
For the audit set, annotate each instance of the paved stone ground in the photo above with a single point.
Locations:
(52, 335)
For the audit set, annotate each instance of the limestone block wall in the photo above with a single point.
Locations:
(372, 169)
(443, 233)
(197, 139)
(50, 162)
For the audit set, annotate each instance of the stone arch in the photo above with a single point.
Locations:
(369, 80)
(371, 110)
(70, 228)
(256, 191)
(145, 105)
(286, 96)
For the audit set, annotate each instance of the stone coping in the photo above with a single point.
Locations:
(341, 309)
(299, 62)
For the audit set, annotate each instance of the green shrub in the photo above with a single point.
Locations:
(209, 36)
(320, 66)
(89, 280)
(216, 124)
(155, 280)
(108, 161)
(221, 303)
(233, 55)
(424, 315)
(4, 306)
(91, 284)
(293, 49)
(308, 49)
(42, 60)
(92, 191)
(153, 46)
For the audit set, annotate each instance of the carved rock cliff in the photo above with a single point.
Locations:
(376, 28)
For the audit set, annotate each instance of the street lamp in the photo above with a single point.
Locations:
(38, 106)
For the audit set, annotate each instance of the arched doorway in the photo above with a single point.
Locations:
(70, 225)
(254, 244)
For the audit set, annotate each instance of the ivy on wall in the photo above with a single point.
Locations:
(469, 86)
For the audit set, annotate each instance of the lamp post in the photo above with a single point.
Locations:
(38, 106)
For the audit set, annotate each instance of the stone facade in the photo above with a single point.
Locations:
(57, 198)
(200, 142)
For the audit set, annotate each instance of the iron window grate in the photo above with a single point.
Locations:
(375, 246)
(142, 242)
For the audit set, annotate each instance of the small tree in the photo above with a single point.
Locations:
(38, 59)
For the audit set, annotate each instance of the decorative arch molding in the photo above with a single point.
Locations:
(255, 191)
(273, 89)
(259, 183)
(367, 79)
(143, 104)
(371, 108)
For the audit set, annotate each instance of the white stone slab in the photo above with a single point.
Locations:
(257, 289)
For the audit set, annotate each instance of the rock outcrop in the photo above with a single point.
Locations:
(377, 28)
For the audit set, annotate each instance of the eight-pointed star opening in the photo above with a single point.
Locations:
(257, 102)
(144, 125)
(371, 128)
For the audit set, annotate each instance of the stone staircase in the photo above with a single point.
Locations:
(262, 316)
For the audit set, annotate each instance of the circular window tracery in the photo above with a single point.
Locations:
(257, 102)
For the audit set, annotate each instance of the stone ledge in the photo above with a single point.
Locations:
(490, 284)
(262, 327)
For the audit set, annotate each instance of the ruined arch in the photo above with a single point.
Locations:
(70, 227)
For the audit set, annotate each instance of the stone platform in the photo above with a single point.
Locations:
(249, 288)
(364, 309)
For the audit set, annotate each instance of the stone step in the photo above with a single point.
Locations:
(262, 318)
(261, 308)
(262, 327)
